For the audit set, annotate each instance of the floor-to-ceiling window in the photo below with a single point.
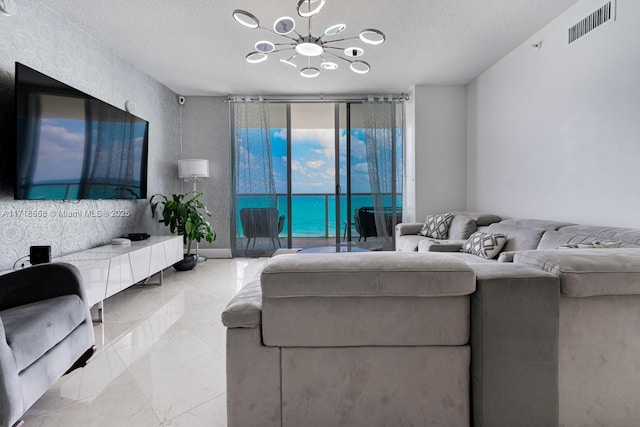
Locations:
(322, 172)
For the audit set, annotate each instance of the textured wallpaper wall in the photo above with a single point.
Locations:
(205, 135)
(41, 39)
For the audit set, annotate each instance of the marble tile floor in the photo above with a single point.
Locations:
(160, 358)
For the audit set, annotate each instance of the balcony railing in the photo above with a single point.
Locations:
(314, 214)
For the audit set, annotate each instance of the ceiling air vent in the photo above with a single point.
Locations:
(605, 14)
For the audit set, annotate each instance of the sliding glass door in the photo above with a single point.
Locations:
(371, 178)
(322, 178)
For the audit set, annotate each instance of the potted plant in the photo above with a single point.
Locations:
(184, 214)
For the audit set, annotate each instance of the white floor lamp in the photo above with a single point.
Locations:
(192, 170)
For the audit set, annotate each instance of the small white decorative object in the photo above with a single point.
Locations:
(120, 241)
(129, 106)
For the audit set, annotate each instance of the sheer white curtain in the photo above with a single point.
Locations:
(28, 153)
(380, 140)
(258, 222)
(110, 150)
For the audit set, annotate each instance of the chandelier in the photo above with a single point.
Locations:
(308, 46)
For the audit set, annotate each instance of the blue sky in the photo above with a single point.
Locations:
(61, 150)
(313, 161)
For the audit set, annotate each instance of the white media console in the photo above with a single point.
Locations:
(109, 269)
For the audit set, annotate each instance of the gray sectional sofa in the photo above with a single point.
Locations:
(522, 234)
(356, 339)
(551, 338)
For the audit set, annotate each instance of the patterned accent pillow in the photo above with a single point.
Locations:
(437, 226)
(484, 245)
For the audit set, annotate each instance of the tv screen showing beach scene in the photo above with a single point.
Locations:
(71, 146)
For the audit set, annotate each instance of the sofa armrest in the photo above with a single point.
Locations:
(589, 272)
(38, 283)
(440, 245)
(405, 228)
(507, 256)
(245, 309)
(514, 343)
(10, 389)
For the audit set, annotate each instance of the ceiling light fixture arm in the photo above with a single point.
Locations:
(293, 39)
(340, 40)
(338, 56)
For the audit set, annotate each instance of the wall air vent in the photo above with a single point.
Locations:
(605, 14)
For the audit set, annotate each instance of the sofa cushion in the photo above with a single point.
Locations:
(506, 256)
(631, 237)
(364, 274)
(589, 272)
(33, 329)
(518, 238)
(593, 245)
(484, 245)
(371, 298)
(461, 227)
(437, 226)
(480, 218)
(409, 243)
(537, 223)
(462, 256)
(555, 239)
(429, 245)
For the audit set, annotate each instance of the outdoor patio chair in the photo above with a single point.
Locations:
(261, 222)
(365, 221)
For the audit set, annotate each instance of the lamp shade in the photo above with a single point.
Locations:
(193, 168)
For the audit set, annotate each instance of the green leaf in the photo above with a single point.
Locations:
(184, 214)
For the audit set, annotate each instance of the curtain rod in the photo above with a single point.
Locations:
(320, 98)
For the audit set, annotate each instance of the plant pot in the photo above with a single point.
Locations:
(187, 263)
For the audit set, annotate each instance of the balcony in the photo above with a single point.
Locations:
(313, 217)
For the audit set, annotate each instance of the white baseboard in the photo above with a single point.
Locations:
(215, 253)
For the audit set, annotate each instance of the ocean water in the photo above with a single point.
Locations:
(313, 216)
(68, 190)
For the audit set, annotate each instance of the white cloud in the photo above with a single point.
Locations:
(61, 134)
(360, 168)
(329, 174)
(296, 166)
(316, 164)
(323, 137)
(358, 148)
(282, 134)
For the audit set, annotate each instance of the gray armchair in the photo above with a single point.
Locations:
(45, 332)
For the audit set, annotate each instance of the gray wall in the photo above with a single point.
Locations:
(553, 132)
(436, 151)
(205, 135)
(43, 40)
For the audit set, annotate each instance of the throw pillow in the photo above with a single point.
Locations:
(484, 245)
(437, 226)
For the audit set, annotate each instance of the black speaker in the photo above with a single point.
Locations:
(39, 254)
(138, 236)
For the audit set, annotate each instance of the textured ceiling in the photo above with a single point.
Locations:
(195, 47)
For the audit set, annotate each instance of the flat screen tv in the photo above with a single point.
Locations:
(72, 146)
